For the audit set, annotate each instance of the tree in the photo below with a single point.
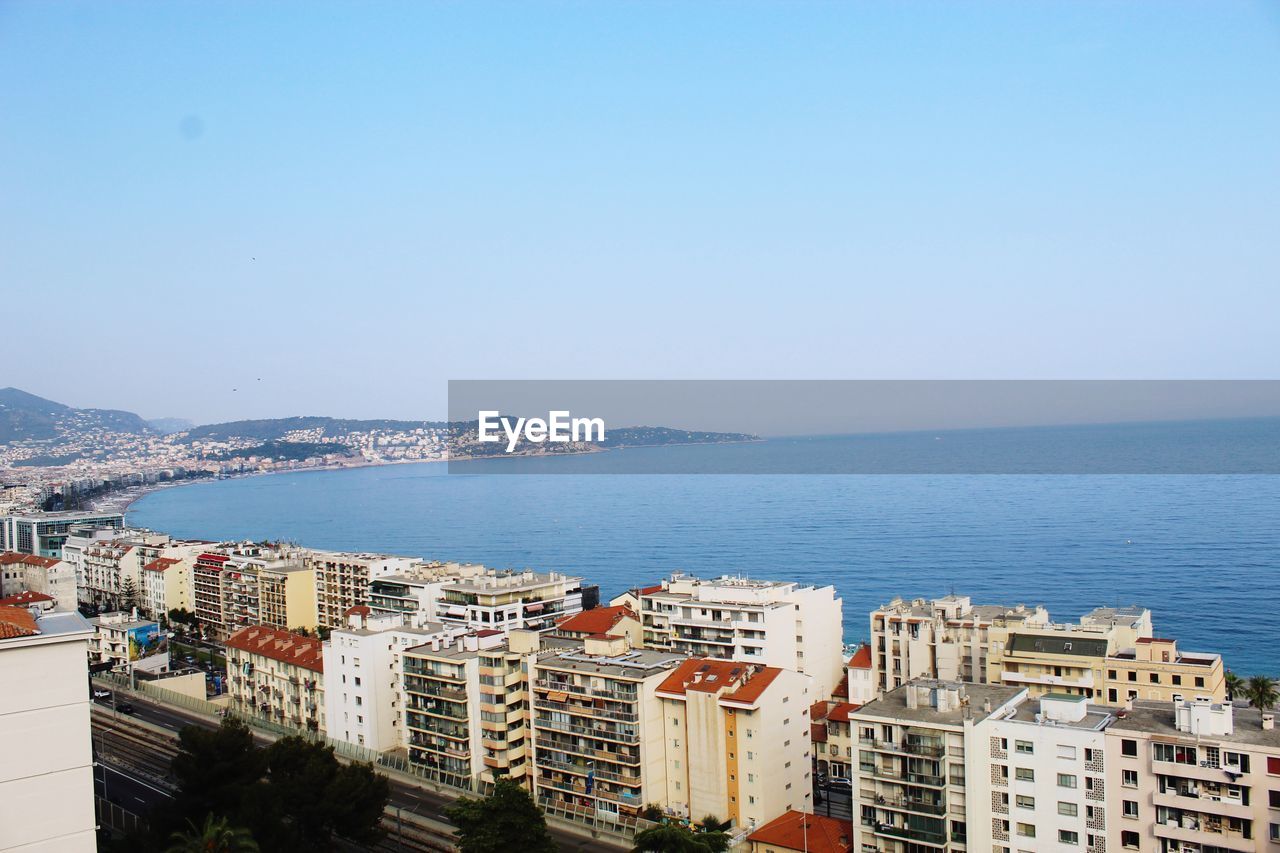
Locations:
(1235, 685)
(673, 838)
(505, 820)
(214, 768)
(1261, 692)
(216, 835)
(128, 594)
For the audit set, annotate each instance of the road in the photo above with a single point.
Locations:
(411, 798)
(134, 795)
(836, 802)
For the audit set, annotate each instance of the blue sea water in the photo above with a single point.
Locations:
(1201, 551)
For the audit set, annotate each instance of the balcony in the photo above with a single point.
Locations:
(1203, 803)
(904, 748)
(919, 836)
(587, 711)
(1203, 833)
(1085, 679)
(583, 690)
(601, 733)
(903, 803)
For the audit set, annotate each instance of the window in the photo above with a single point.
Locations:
(1273, 765)
(1129, 747)
(1026, 802)
(357, 681)
(1027, 830)
(1065, 751)
(1023, 746)
(1199, 681)
(1129, 778)
(1129, 838)
(1068, 809)
(1177, 680)
(1133, 676)
(1273, 799)
(1026, 774)
(1066, 780)
(1066, 836)
(1129, 808)
(1175, 753)
(1155, 678)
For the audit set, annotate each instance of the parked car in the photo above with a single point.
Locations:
(99, 693)
(840, 782)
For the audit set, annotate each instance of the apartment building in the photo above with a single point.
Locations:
(43, 533)
(206, 594)
(1039, 781)
(1193, 776)
(416, 594)
(774, 623)
(73, 548)
(1065, 658)
(364, 699)
(277, 676)
(1155, 670)
(287, 595)
(835, 745)
(46, 777)
(860, 685)
(43, 575)
(467, 705)
(911, 787)
(166, 585)
(342, 580)
(736, 738)
(128, 643)
(945, 638)
(600, 742)
(509, 600)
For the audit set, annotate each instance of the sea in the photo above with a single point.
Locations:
(1202, 551)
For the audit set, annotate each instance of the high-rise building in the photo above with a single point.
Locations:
(417, 593)
(507, 600)
(1195, 775)
(947, 638)
(46, 777)
(43, 533)
(774, 623)
(342, 580)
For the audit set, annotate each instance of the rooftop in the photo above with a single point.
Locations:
(1058, 644)
(599, 620)
(18, 622)
(744, 682)
(507, 581)
(972, 701)
(808, 832)
(9, 558)
(1158, 719)
(25, 598)
(636, 664)
(283, 646)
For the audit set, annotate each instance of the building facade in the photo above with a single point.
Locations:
(277, 676)
(342, 580)
(510, 600)
(43, 533)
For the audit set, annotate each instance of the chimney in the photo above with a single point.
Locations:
(1128, 704)
(986, 705)
(1268, 721)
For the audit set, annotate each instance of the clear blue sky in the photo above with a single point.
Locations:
(354, 203)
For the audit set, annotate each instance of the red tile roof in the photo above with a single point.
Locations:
(159, 564)
(24, 598)
(808, 832)
(840, 713)
(9, 558)
(707, 675)
(357, 610)
(283, 646)
(16, 622)
(598, 620)
(861, 658)
(817, 732)
(650, 590)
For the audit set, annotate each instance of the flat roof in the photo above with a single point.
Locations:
(1157, 719)
(894, 703)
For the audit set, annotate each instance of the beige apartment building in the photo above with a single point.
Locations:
(342, 580)
(835, 747)
(166, 585)
(510, 600)
(946, 638)
(43, 575)
(736, 738)
(1194, 776)
(466, 707)
(599, 737)
(773, 623)
(910, 785)
(277, 676)
(287, 595)
(1155, 670)
(1065, 658)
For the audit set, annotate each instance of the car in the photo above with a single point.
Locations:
(99, 693)
(841, 782)
(125, 708)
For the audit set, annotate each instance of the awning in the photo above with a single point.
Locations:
(558, 696)
(456, 611)
(533, 608)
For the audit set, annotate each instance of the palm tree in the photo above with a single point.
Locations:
(215, 836)
(1261, 692)
(1235, 685)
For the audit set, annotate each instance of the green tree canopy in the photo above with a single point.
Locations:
(506, 820)
(673, 838)
(1261, 692)
(215, 835)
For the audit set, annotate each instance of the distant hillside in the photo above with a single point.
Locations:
(168, 426)
(26, 417)
(274, 429)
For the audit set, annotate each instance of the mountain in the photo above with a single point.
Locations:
(274, 429)
(26, 417)
(168, 426)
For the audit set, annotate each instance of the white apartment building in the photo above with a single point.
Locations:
(914, 780)
(508, 600)
(417, 593)
(1040, 783)
(774, 623)
(364, 695)
(46, 777)
(44, 533)
(128, 643)
(946, 638)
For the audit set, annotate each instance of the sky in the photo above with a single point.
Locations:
(232, 210)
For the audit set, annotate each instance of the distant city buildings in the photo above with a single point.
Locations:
(42, 533)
